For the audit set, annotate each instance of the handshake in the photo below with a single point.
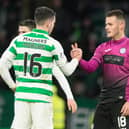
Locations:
(76, 52)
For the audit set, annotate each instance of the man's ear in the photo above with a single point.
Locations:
(48, 23)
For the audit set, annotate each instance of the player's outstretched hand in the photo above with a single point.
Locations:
(125, 109)
(72, 106)
(76, 52)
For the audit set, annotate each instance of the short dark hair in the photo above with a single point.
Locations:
(116, 12)
(42, 14)
(28, 22)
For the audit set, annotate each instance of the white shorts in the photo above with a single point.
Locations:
(40, 115)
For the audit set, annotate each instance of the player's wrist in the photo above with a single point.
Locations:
(70, 98)
(75, 60)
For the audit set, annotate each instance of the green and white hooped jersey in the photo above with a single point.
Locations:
(33, 55)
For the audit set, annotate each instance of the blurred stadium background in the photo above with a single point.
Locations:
(77, 20)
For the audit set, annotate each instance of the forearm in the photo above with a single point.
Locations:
(5, 74)
(89, 66)
(69, 67)
(63, 82)
(5, 65)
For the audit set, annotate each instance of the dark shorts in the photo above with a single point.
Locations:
(108, 116)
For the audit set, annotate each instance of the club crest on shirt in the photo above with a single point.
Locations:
(123, 50)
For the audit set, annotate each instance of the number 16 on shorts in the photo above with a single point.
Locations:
(122, 122)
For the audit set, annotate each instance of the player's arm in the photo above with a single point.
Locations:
(6, 62)
(93, 63)
(67, 67)
(89, 66)
(66, 88)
